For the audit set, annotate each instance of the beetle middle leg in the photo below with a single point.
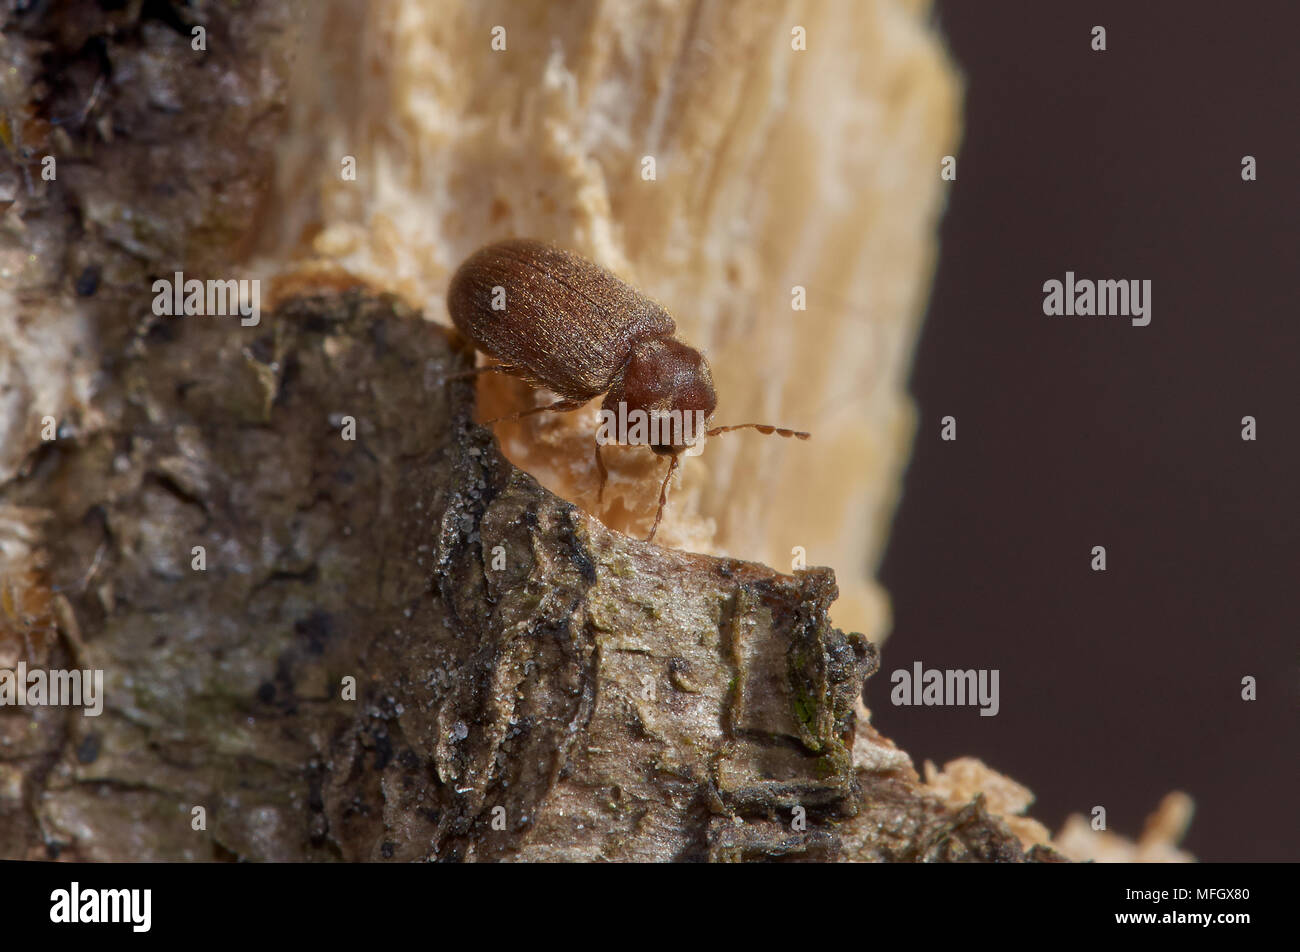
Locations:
(604, 473)
(508, 369)
(559, 406)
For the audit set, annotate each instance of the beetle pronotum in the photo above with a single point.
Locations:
(557, 320)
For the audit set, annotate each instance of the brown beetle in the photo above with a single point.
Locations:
(557, 320)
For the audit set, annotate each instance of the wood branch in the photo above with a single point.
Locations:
(530, 684)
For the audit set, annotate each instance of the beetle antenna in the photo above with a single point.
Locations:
(765, 428)
(663, 497)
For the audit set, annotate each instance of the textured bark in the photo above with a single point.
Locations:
(614, 699)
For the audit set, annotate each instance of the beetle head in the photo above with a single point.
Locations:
(664, 375)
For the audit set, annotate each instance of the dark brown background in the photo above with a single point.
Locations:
(1116, 687)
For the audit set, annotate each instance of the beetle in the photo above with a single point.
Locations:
(556, 320)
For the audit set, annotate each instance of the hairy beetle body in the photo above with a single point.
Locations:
(566, 323)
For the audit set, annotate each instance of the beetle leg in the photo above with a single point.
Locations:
(604, 473)
(510, 369)
(559, 406)
(663, 497)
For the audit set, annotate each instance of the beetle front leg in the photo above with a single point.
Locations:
(663, 496)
